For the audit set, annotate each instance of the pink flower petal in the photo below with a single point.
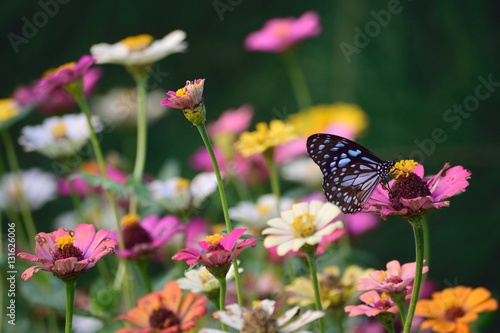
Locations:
(230, 240)
(448, 183)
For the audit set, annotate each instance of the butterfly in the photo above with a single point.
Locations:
(350, 171)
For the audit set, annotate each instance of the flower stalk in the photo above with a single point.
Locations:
(206, 140)
(418, 232)
(141, 78)
(273, 176)
(222, 298)
(70, 304)
(146, 278)
(297, 80)
(309, 251)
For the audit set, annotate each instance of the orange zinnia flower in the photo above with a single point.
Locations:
(451, 310)
(166, 311)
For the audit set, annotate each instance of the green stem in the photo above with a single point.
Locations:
(80, 99)
(273, 177)
(314, 276)
(402, 310)
(76, 202)
(29, 224)
(146, 278)
(222, 299)
(297, 80)
(142, 128)
(419, 249)
(206, 140)
(427, 242)
(70, 302)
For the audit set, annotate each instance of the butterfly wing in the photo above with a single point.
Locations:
(350, 171)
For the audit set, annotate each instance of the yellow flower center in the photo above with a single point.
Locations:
(182, 184)
(182, 92)
(8, 109)
(138, 43)
(384, 297)
(214, 240)
(403, 168)
(130, 219)
(263, 210)
(304, 225)
(59, 130)
(64, 241)
(57, 69)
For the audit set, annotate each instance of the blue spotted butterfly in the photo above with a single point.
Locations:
(350, 171)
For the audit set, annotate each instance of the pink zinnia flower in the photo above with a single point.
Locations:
(280, 34)
(69, 254)
(232, 121)
(58, 100)
(394, 280)
(82, 187)
(375, 304)
(188, 97)
(411, 194)
(218, 251)
(143, 237)
(66, 74)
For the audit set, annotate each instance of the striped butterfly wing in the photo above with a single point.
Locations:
(350, 171)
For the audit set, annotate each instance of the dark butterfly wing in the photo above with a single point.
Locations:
(350, 171)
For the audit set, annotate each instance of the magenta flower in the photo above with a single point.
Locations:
(58, 100)
(280, 34)
(66, 74)
(411, 194)
(375, 305)
(188, 97)
(69, 254)
(232, 121)
(392, 281)
(82, 187)
(143, 237)
(218, 251)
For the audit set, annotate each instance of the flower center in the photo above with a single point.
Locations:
(258, 320)
(329, 281)
(453, 313)
(384, 302)
(182, 92)
(304, 225)
(403, 168)
(133, 233)
(263, 210)
(59, 130)
(7, 109)
(163, 318)
(409, 187)
(138, 43)
(181, 184)
(214, 242)
(65, 248)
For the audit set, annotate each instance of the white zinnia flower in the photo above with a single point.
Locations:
(260, 318)
(179, 194)
(257, 214)
(37, 186)
(58, 136)
(303, 171)
(139, 50)
(201, 280)
(305, 223)
(119, 106)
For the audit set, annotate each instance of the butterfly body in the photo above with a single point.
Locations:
(350, 171)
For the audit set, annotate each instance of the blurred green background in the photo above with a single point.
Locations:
(426, 59)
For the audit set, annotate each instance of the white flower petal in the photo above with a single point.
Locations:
(285, 318)
(303, 320)
(271, 241)
(232, 316)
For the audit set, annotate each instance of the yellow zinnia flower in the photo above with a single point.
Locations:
(265, 137)
(318, 119)
(451, 310)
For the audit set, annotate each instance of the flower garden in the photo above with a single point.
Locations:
(258, 234)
